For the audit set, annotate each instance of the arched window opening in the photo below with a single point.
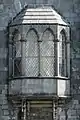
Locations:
(17, 54)
(62, 55)
(32, 54)
(47, 54)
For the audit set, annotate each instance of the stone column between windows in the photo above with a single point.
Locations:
(23, 42)
(56, 54)
(28, 110)
(54, 110)
(55, 58)
(25, 111)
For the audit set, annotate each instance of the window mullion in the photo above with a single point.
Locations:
(22, 57)
(66, 60)
(39, 58)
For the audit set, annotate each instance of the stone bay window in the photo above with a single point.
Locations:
(39, 62)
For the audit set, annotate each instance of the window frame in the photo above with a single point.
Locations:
(42, 40)
(14, 57)
(64, 56)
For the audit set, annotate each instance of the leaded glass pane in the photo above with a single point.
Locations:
(17, 49)
(31, 48)
(47, 66)
(17, 67)
(62, 55)
(16, 53)
(47, 48)
(47, 54)
(17, 58)
(31, 66)
(31, 55)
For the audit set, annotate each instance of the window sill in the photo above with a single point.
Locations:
(39, 77)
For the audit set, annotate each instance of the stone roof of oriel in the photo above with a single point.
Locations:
(40, 14)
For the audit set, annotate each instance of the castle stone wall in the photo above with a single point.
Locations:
(70, 10)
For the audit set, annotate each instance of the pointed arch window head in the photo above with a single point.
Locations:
(48, 35)
(32, 35)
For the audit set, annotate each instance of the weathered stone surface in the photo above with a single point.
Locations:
(70, 9)
(6, 112)
(4, 107)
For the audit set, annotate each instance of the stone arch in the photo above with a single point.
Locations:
(47, 33)
(34, 31)
(63, 32)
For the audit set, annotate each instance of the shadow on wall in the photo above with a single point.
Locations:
(3, 57)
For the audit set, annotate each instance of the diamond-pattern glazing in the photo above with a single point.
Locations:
(47, 54)
(47, 66)
(47, 48)
(31, 55)
(31, 68)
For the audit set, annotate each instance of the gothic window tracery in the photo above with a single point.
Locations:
(39, 58)
(62, 55)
